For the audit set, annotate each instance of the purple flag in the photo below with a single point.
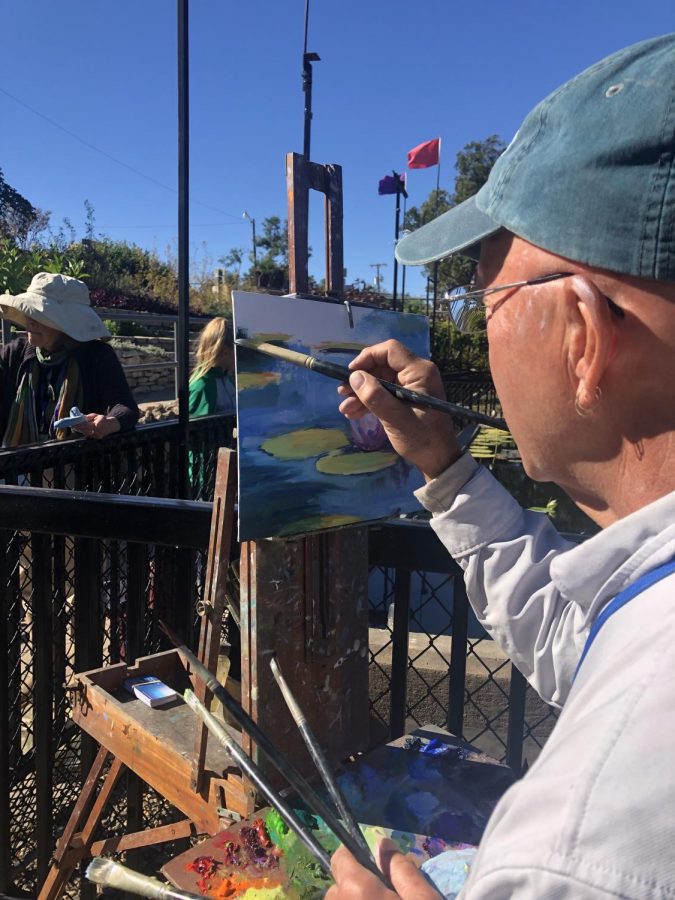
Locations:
(391, 184)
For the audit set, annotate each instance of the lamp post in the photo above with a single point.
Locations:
(183, 323)
(307, 60)
(255, 256)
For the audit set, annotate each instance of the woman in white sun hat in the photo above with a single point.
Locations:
(62, 362)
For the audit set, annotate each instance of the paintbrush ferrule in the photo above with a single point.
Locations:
(109, 873)
(291, 703)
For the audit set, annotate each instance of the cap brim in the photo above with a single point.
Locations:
(459, 230)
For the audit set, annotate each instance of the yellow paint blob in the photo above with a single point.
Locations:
(305, 443)
(355, 463)
(275, 893)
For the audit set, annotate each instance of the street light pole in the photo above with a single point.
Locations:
(307, 60)
(183, 323)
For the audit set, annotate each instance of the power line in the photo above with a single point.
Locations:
(114, 159)
(192, 225)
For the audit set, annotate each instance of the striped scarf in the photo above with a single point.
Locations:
(22, 423)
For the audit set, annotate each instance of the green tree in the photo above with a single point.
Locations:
(17, 215)
(273, 262)
(473, 165)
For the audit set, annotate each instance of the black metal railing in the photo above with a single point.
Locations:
(144, 461)
(85, 578)
(475, 390)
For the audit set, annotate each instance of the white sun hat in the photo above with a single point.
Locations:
(57, 301)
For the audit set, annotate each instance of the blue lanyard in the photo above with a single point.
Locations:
(646, 581)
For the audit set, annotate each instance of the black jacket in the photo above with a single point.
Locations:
(104, 385)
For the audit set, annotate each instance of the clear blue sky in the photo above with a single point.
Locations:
(392, 75)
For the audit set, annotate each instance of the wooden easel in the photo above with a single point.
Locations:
(306, 600)
(303, 599)
(166, 748)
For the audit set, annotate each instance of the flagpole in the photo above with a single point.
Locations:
(396, 229)
(405, 202)
(438, 183)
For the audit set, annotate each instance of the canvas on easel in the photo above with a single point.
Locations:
(302, 466)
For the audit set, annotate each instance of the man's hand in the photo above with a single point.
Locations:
(353, 882)
(424, 437)
(98, 426)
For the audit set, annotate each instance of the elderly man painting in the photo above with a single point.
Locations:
(576, 232)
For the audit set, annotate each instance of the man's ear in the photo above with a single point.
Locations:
(592, 341)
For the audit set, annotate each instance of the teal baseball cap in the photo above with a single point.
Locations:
(590, 174)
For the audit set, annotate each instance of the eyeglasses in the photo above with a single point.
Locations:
(466, 306)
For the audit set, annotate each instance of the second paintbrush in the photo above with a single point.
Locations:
(342, 373)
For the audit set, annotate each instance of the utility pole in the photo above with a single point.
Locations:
(378, 277)
(255, 256)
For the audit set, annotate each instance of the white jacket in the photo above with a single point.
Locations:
(595, 815)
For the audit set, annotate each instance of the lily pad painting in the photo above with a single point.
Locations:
(303, 467)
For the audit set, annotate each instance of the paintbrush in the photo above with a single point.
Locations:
(319, 757)
(299, 784)
(111, 874)
(247, 766)
(342, 373)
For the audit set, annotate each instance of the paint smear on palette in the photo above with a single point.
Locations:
(442, 788)
(263, 859)
(257, 860)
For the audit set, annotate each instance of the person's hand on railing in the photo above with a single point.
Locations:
(98, 426)
(353, 882)
(424, 437)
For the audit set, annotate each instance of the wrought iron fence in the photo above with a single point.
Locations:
(85, 575)
(141, 462)
(475, 390)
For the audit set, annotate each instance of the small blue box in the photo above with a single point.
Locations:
(150, 690)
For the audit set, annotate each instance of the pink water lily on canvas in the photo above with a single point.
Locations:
(368, 434)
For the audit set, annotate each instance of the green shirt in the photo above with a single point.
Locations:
(213, 392)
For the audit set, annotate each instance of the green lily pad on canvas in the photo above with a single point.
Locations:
(345, 347)
(355, 463)
(318, 523)
(248, 380)
(305, 443)
(266, 337)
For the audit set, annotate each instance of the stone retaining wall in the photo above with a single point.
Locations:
(146, 380)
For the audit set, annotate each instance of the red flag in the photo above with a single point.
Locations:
(425, 155)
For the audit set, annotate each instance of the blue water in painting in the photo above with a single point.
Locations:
(276, 496)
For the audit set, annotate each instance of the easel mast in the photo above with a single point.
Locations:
(306, 599)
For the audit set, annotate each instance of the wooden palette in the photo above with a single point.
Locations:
(262, 858)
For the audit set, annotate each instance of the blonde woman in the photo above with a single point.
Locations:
(212, 387)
